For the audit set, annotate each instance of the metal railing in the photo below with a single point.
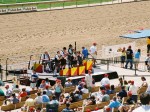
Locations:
(53, 5)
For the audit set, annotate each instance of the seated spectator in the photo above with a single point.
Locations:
(148, 89)
(47, 82)
(84, 89)
(52, 105)
(78, 95)
(112, 89)
(122, 93)
(43, 84)
(8, 92)
(105, 80)
(121, 81)
(73, 99)
(62, 99)
(68, 83)
(16, 89)
(38, 99)
(91, 101)
(145, 100)
(107, 89)
(130, 99)
(45, 98)
(105, 97)
(67, 109)
(38, 109)
(133, 89)
(28, 103)
(113, 104)
(144, 83)
(14, 99)
(48, 91)
(23, 93)
(1, 92)
(54, 100)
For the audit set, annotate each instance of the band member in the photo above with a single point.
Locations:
(46, 61)
(70, 56)
(64, 54)
(79, 58)
(58, 57)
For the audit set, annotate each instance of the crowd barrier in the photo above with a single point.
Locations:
(53, 5)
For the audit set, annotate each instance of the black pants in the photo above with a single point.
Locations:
(57, 95)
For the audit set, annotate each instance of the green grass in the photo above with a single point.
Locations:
(59, 4)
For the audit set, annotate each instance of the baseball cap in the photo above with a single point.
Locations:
(94, 43)
(47, 86)
(7, 86)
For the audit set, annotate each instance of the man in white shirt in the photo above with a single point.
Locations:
(38, 99)
(46, 61)
(68, 83)
(57, 62)
(133, 89)
(145, 100)
(105, 80)
(84, 89)
(93, 52)
(88, 80)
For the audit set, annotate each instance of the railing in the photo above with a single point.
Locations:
(52, 5)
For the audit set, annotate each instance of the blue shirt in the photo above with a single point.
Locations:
(85, 53)
(114, 104)
(45, 99)
(122, 94)
(137, 55)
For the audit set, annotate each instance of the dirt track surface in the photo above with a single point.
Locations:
(24, 33)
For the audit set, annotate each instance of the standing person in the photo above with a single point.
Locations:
(148, 44)
(93, 51)
(79, 59)
(84, 53)
(74, 59)
(64, 54)
(129, 54)
(70, 55)
(57, 62)
(88, 80)
(146, 62)
(34, 79)
(46, 61)
(58, 89)
(123, 57)
(15, 81)
(137, 58)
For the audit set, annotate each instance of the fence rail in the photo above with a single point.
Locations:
(53, 5)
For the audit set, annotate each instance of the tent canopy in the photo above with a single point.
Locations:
(138, 34)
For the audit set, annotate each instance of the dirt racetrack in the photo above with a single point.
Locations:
(36, 32)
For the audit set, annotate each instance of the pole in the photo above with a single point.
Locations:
(75, 46)
(135, 68)
(107, 64)
(6, 68)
